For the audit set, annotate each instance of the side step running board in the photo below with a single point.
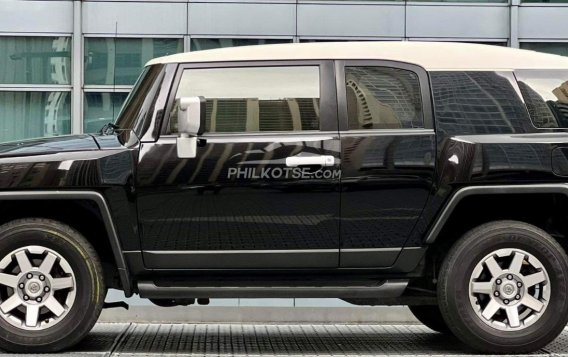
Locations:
(389, 289)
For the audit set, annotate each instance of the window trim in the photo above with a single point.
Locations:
(328, 95)
(423, 79)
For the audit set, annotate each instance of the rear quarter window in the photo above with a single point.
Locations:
(477, 102)
(546, 96)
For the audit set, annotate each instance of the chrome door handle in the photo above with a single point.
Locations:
(321, 160)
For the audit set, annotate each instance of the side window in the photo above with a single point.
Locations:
(477, 102)
(255, 99)
(383, 98)
(546, 96)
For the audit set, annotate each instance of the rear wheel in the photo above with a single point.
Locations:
(430, 316)
(503, 288)
(51, 287)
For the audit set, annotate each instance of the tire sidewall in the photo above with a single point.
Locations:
(461, 314)
(88, 286)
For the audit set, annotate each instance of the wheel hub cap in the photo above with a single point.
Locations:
(37, 288)
(33, 288)
(509, 289)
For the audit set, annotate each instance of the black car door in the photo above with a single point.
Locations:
(388, 153)
(263, 190)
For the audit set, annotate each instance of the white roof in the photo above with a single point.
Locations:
(430, 55)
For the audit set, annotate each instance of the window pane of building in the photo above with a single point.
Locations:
(101, 108)
(546, 97)
(556, 48)
(119, 61)
(246, 99)
(383, 98)
(465, 1)
(34, 114)
(35, 60)
(545, 1)
(198, 44)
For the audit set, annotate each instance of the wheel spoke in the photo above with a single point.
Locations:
(54, 306)
(517, 263)
(532, 303)
(513, 316)
(32, 314)
(62, 283)
(23, 261)
(533, 279)
(493, 267)
(47, 263)
(490, 310)
(482, 288)
(9, 280)
(11, 303)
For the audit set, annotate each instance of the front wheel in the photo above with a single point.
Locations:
(503, 288)
(51, 286)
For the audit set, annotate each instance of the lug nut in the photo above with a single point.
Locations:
(519, 284)
(21, 286)
(26, 297)
(29, 276)
(38, 299)
(496, 293)
(518, 297)
(506, 301)
(41, 277)
(510, 277)
(498, 281)
(46, 289)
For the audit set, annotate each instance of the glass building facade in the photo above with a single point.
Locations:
(67, 66)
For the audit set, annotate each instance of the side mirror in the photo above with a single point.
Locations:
(191, 124)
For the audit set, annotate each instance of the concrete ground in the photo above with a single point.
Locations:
(275, 331)
(141, 339)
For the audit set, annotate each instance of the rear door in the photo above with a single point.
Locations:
(263, 191)
(388, 154)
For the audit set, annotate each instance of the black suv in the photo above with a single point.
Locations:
(423, 174)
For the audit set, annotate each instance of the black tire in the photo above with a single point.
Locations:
(89, 288)
(454, 281)
(430, 316)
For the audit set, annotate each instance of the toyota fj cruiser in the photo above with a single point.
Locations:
(423, 174)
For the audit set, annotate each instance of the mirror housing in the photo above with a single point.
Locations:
(191, 123)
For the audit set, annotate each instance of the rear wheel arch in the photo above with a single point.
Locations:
(541, 205)
(509, 193)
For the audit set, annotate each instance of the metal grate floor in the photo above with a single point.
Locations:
(275, 340)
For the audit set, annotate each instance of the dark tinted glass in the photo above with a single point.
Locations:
(119, 61)
(35, 60)
(546, 96)
(26, 115)
(100, 109)
(254, 99)
(477, 103)
(383, 98)
(555, 48)
(198, 44)
(139, 105)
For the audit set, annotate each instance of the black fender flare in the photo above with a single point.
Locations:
(464, 192)
(105, 213)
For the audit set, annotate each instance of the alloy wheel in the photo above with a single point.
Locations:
(509, 289)
(37, 288)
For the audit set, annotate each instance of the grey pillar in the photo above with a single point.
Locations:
(76, 80)
(514, 35)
